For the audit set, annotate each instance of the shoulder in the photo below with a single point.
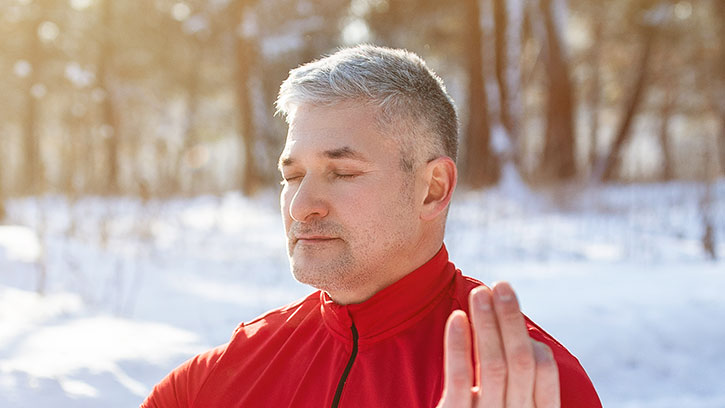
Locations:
(462, 286)
(181, 386)
(576, 387)
(277, 318)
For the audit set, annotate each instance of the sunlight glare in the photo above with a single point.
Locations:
(48, 31)
(355, 32)
(180, 11)
(683, 10)
(22, 68)
(38, 91)
(80, 4)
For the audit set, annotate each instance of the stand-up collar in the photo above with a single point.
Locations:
(393, 308)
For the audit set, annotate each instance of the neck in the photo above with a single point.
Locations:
(413, 260)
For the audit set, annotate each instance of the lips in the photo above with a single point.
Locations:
(314, 239)
(311, 233)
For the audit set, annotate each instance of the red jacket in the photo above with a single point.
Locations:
(384, 352)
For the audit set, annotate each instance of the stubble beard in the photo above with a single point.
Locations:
(331, 272)
(344, 271)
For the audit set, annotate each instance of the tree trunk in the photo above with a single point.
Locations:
(719, 92)
(191, 138)
(514, 73)
(611, 163)
(3, 192)
(482, 167)
(595, 90)
(32, 169)
(558, 161)
(110, 119)
(665, 115)
(246, 55)
(500, 15)
(509, 41)
(708, 240)
(89, 150)
(68, 158)
(3, 165)
(721, 144)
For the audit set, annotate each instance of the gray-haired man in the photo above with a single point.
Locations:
(368, 172)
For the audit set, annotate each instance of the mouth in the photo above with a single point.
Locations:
(314, 239)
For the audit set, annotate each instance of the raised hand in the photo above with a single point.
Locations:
(514, 371)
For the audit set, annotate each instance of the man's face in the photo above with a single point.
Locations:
(348, 207)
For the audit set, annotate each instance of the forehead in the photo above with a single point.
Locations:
(345, 127)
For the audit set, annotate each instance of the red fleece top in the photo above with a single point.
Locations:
(295, 356)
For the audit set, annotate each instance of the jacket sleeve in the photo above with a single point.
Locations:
(577, 390)
(181, 386)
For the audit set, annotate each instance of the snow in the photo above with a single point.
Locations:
(19, 243)
(134, 288)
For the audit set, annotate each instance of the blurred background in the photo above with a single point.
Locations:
(161, 98)
(138, 180)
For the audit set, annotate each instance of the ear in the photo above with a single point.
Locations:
(440, 179)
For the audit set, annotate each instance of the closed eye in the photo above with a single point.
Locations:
(345, 176)
(290, 179)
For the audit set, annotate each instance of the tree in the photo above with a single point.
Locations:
(196, 34)
(110, 121)
(2, 189)
(246, 54)
(508, 40)
(481, 165)
(501, 19)
(2, 183)
(718, 90)
(607, 169)
(595, 95)
(557, 162)
(32, 171)
(666, 108)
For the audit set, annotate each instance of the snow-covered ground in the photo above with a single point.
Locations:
(132, 289)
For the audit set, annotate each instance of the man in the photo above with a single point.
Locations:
(368, 172)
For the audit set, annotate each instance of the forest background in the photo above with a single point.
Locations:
(160, 98)
(138, 180)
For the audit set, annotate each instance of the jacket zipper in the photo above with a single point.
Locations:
(341, 384)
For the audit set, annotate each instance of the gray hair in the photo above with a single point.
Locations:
(412, 99)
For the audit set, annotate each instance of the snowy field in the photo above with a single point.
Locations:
(132, 289)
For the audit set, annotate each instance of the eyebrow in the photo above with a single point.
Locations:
(345, 152)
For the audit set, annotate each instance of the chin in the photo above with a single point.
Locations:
(320, 275)
(311, 278)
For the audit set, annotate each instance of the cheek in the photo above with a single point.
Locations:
(379, 207)
(400, 208)
(361, 207)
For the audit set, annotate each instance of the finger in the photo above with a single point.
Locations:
(518, 348)
(491, 360)
(458, 367)
(546, 384)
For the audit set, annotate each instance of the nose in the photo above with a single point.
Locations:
(308, 201)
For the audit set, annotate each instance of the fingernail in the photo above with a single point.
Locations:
(542, 353)
(481, 300)
(503, 292)
(458, 325)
